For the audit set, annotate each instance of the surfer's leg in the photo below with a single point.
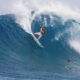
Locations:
(39, 36)
(38, 33)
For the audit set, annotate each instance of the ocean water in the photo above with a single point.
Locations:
(21, 58)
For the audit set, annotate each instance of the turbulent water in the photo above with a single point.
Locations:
(21, 58)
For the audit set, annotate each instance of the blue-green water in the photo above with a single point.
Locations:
(22, 59)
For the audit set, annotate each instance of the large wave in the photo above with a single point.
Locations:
(26, 14)
(22, 58)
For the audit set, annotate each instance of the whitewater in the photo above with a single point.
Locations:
(21, 58)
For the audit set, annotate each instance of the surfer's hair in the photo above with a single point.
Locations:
(43, 27)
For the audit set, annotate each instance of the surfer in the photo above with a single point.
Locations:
(42, 32)
(67, 65)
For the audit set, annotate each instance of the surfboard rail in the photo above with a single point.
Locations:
(37, 41)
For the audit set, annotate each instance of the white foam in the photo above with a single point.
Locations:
(22, 9)
(74, 40)
(23, 15)
(75, 45)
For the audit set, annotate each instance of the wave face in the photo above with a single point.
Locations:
(21, 58)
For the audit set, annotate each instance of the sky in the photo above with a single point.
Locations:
(5, 5)
(72, 2)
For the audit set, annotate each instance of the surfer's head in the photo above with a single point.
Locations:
(43, 27)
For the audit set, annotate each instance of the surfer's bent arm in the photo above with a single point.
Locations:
(45, 35)
(39, 37)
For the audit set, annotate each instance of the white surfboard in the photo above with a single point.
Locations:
(37, 41)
